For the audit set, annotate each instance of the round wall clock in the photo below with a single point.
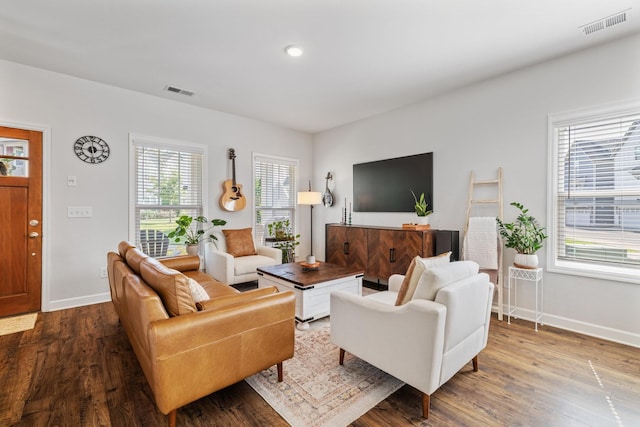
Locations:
(91, 149)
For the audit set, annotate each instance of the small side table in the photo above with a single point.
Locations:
(530, 275)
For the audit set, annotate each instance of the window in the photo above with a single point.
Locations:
(275, 192)
(14, 157)
(595, 194)
(167, 181)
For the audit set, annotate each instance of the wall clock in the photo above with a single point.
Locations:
(91, 149)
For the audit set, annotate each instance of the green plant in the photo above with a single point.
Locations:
(524, 234)
(287, 241)
(421, 205)
(190, 232)
(279, 228)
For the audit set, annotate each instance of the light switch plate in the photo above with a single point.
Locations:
(79, 212)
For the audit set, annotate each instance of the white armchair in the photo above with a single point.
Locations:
(231, 270)
(423, 343)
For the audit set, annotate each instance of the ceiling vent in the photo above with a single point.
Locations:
(607, 22)
(178, 90)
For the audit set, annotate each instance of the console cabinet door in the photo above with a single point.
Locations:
(346, 246)
(408, 245)
(391, 251)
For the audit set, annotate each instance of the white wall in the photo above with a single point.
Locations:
(75, 249)
(498, 122)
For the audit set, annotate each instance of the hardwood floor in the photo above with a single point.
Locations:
(76, 368)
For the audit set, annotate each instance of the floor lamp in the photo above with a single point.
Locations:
(310, 198)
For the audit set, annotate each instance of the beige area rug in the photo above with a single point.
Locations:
(316, 390)
(13, 324)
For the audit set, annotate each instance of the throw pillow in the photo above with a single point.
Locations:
(239, 242)
(197, 291)
(436, 278)
(414, 272)
(171, 285)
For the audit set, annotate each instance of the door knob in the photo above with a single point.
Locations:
(33, 235)
(33, 222)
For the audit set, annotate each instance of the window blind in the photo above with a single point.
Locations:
(275, 192)
(597, 192)
(168, 184)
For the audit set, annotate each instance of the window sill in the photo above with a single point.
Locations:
(606, 272)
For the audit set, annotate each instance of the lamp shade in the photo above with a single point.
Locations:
(309, 198)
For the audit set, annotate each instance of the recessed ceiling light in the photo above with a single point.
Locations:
(293, 50)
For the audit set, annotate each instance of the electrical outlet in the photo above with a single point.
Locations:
(103, 272)
(79, 212)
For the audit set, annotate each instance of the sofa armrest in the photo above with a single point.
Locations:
(405, 341)
(196, 354)
(274, 253)
(395, 281)
(218, 264)
(182, 263)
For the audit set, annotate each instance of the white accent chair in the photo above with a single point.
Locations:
(423, 343)
(227, 269)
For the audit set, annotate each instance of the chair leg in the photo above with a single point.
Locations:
(171, 418)
(475, 363)
(426, 400)
(342, 356)
(280, 372)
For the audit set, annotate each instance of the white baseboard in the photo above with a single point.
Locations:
(590, 329)
(63, 304)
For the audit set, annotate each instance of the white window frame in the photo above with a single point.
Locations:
(153, 141)
(294, 219)
(627, 274)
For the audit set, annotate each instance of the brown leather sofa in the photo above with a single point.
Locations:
(188, 351)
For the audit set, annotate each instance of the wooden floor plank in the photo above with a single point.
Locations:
(76, 367)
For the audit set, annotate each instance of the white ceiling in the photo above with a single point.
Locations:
(362, 57)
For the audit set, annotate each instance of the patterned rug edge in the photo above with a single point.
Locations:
(282, 403)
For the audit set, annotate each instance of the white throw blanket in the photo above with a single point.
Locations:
(481, 242)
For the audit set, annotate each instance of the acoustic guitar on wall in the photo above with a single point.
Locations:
(232, 199)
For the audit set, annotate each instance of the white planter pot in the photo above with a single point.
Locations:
(423, 220)
(193, 249)
(526, 261)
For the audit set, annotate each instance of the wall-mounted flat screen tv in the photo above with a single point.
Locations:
(384, 185)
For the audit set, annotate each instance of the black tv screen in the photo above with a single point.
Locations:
(384, 185)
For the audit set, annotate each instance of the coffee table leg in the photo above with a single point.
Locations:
(303, 326)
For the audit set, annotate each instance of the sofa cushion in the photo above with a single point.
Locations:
(436, 278)
(171, 285)
(239, 242)
(414, 272)
(123, 247)
(249, 264)
(384, 297)
(240, 298)
(134, 257)
(212, 286)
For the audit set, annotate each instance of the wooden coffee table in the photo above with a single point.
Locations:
(312, 288)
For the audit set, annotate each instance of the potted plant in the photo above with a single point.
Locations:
(421, 208)
(191, 231)
(278, 228)
(286, 241)
(524, 235)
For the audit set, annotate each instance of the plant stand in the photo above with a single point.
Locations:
(529, 275)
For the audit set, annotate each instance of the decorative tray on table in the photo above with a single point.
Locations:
(310, 267)
(416, 226)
